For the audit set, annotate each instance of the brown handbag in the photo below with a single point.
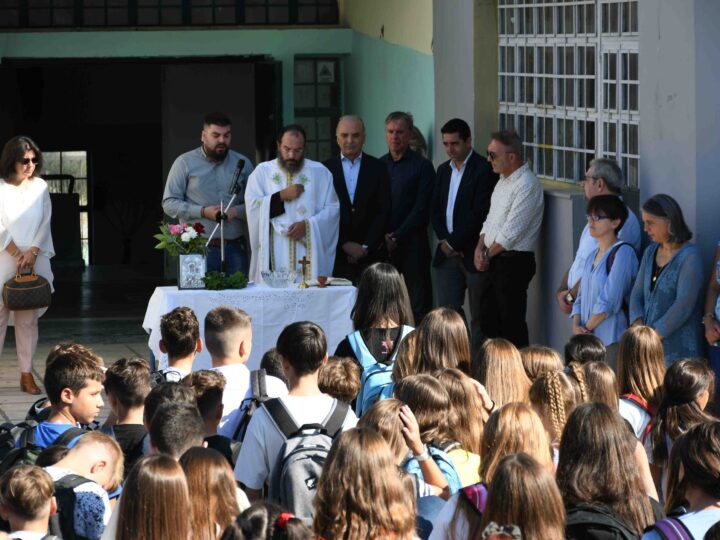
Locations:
(26, 291)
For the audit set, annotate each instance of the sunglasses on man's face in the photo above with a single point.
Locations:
(25, 161)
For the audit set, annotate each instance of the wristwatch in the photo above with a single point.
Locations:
(569, 298)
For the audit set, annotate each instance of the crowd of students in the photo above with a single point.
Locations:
(404, 436)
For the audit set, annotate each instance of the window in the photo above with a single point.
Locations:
(75, 164)
(568, 83)
(317, 103)
(119, 13)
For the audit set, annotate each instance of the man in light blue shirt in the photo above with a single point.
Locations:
(603, 177)
(200, 180)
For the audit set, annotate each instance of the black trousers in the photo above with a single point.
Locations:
(503, 296)
(412, 260)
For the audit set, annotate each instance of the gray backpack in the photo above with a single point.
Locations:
(293, 481)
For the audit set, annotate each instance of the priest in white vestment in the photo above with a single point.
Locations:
(292, 210)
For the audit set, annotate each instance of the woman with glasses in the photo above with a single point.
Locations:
(25, 242)
(608, 276)
(667, 295)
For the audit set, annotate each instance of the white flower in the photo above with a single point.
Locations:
(185, 237)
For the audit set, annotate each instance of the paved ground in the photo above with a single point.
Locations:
(111, 339)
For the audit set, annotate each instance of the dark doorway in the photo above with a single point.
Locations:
(119, 114)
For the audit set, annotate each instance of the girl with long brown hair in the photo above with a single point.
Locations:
(694, 481)
(687, 388)
(511, 429)
(524, 493)
(553, 397)
(442, 342)
(597, 470)
(640, 372)
(213, 492)
(361, 494)
(499, 367)
(538, 360)
(155, 501)
(469, 417)
(601, 383)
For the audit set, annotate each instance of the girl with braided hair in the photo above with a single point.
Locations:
(553, 397)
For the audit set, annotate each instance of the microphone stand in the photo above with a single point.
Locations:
(221, 216)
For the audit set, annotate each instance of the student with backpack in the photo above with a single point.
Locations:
(127, 384)
(180, 340)
(74, 386)
(27, 501)
(382, 318)
(640, 371)
(83, 478)
(607, 278)
(360, 495)
(275, 428)
(694, 483)
(430, 403)
(601, 485)
(511, 429)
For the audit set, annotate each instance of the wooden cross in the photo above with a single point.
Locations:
(304, 263)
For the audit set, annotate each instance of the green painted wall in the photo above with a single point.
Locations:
(381, 77)
(281, 44)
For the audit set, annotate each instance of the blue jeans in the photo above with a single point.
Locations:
(235, 258)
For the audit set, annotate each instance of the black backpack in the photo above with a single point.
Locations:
(62, 523)
(17, 443)
(258, 396)
(596, 522)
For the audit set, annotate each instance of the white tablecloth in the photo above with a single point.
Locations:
(271, 311)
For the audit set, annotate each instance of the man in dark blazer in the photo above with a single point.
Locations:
(362, 185)
(461, 201)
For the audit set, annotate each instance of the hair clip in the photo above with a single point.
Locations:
(504, 532)
(283, 518)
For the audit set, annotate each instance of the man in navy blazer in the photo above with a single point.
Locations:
(461, 202)
(362, 185)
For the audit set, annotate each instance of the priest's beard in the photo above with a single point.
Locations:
(291, 165)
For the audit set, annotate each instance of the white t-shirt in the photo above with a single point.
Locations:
(635, 415)
(174, 374)
(263, 440)
(273, 386)
(697, 523)
(443, 522)
(237, 383)
(26, 535)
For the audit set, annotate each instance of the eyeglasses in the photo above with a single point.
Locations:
(25, 161)
(592, 217)
(492, 156)
(588, 179)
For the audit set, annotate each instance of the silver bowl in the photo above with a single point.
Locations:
(279, 279)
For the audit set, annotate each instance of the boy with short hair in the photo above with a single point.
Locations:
(175, 428)
(91, 469)
(127, 384)
(26, 501)
(228, 338)
(74, 384)
(208, 386)
(339, 377)
(180, 339)
(272, 364)
(303, 349)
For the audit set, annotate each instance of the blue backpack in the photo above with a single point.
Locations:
(444, 462)
(375, 376)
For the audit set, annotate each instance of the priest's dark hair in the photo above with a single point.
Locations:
(292, 128)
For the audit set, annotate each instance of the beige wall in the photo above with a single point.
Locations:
(406, 22)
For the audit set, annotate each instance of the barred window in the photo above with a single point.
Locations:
(568, 83)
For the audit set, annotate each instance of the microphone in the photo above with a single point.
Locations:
(238, 181)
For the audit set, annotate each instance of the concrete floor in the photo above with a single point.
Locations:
(100, 307)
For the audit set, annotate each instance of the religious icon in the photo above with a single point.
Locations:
(191, 271)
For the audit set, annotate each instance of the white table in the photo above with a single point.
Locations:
(271, 311)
